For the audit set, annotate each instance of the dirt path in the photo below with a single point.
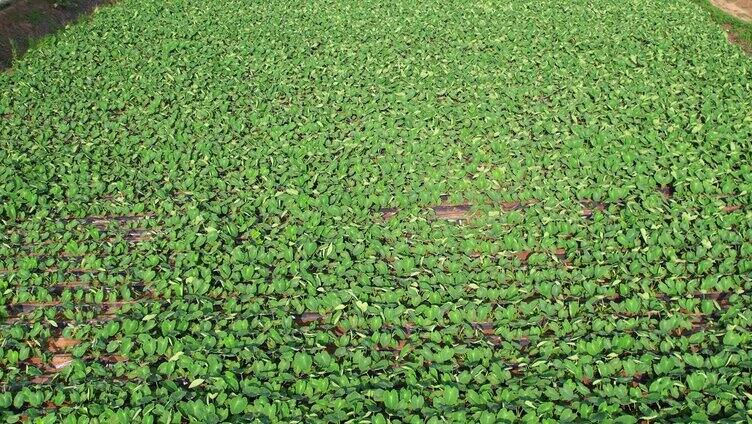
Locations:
(742, 9)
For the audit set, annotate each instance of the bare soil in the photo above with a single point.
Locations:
(742, 9)
(26, 20)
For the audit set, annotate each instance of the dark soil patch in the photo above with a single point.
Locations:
(24, 21)
(734, 38)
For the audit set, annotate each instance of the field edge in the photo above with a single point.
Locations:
(738, 31)
(24, 23)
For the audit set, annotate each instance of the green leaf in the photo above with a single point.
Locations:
(237, 404)
(451, 396)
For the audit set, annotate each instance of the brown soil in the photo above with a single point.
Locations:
(734, 38)
(26, 20)
(742, 9)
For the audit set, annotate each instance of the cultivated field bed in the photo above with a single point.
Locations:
(341, 211)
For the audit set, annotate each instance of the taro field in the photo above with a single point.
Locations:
(388, 212)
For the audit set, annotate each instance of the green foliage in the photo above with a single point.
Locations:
(330, 211)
